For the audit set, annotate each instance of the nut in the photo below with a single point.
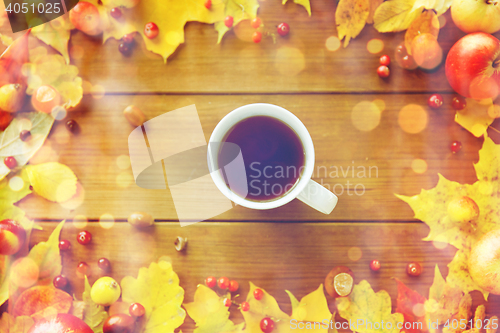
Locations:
(140, 219)
(339, 282)
(134, 115)
(180, 243)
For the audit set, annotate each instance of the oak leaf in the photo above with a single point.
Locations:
(11, 324)
(305, 3)
(350, 17)
(94, 314)
(395, 15)
(41, 302)
(427, 22)
(157, 289)
(431, 207)
(209, 312)
(369, 308)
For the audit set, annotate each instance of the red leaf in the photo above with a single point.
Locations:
(42, 301)
(12, 59)
(411, 304)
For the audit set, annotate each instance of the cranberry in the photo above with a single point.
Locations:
(267, 325)
(25, 135)
(84, 237)
(104, 264)
(458, 103)
(136, 310)
(124, 48)
(375, 265)
(258, 294)
(257, 37)
(10, 162)
(210, 281)
(116, 13)
(151, 30)
(229, 21)
(64, 245)
(283, 29)
(60, 282)
(414, 269)
(128, 38)
(245, 306)
(223, 283)
(385, 60)
(456, 146)
(255, 23)
(233, 286)
(435, 101)
(73, 126)
(383, 72)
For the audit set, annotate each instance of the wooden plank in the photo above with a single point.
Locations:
(236, 66)
(274, 256)
(339, 145)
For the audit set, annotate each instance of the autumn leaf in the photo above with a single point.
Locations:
(8, 197)
(94, 314)
(157, 289)
(411, 304)
(395, 15)
(51, 69)
(56, 33)
(431, 206)
(53, 181)
(350, 17)
(374, 4)
(440, 6)
(12, 59)
(365, 305)
(266, 307)
(209, 312)
(312, 308)
(11, 324)
(240, 10)
(305, 3)
(477, 116)
(41, 302)
(427, 22)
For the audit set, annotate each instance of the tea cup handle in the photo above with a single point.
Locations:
(318, 197)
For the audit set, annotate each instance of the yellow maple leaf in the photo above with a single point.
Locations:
(367, 310)
(209, 312)
(56, 33)
(157, 289)
(53, 181)
(431, 206)
(9, 324)
(240, 10)
(350, 17)
(266, 307)
(477, 116)
(305, 3)
(311, 312)
(427, 22)
(395, 15)
(94, 314)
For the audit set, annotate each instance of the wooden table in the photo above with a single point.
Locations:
(292, 247)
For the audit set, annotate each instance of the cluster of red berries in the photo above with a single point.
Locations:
(412, 269)
(383, 70)
(151, 31)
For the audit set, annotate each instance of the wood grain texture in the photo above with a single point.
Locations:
(292, 256)
(93, 154)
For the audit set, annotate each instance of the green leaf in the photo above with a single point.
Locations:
(365, 306)
(240, 10)
(305, 3)
(157, 289)
(52, 181)
(395, 15)
(11, 144)
(93, 314)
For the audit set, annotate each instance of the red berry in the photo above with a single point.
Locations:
(124, 48)
(82, 269)
(228, 21)
(456, 146)
(435, 101)
(10, 162)
(227, 302)
(385, 60)
(73, 126)
(383, 71)
(84, 237)
(104, 264)
(245, 306)
(208, 4)
(223, 283)
(136, 310)
(283, 29)
(375, 265)
(257, 37)
(60, 282)
(233, 286)
(258, 294)
(414, 269)
(458, 103)
(116, 13)
(151, 30)
(267, 325)
(211, 281)
(64, 245)
(25, 135)
(128, 38)
(255, 23)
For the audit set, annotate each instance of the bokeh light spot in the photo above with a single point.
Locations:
(123, 162)
(419, 165)
(375, 46)
(58, 113)
(412, 118)
(124, 179)
(107, 221)
(380, 104)
(439, 245)
(419, 310)
(80, 221)
(365, 116)
(332, 43)
(442, 21)
(77, 200)
(290, 61)
(354, 253)
(16, 183)
(97, 91)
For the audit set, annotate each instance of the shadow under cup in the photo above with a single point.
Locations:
(272, 154)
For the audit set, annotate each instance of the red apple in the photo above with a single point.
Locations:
(484, 262)
(476, 15)
(473, 66)
(62, 323)
(12, 237)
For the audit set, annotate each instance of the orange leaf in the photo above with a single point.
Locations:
(411, 304)
(12, 59)
(41, 301)
(427, 22)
